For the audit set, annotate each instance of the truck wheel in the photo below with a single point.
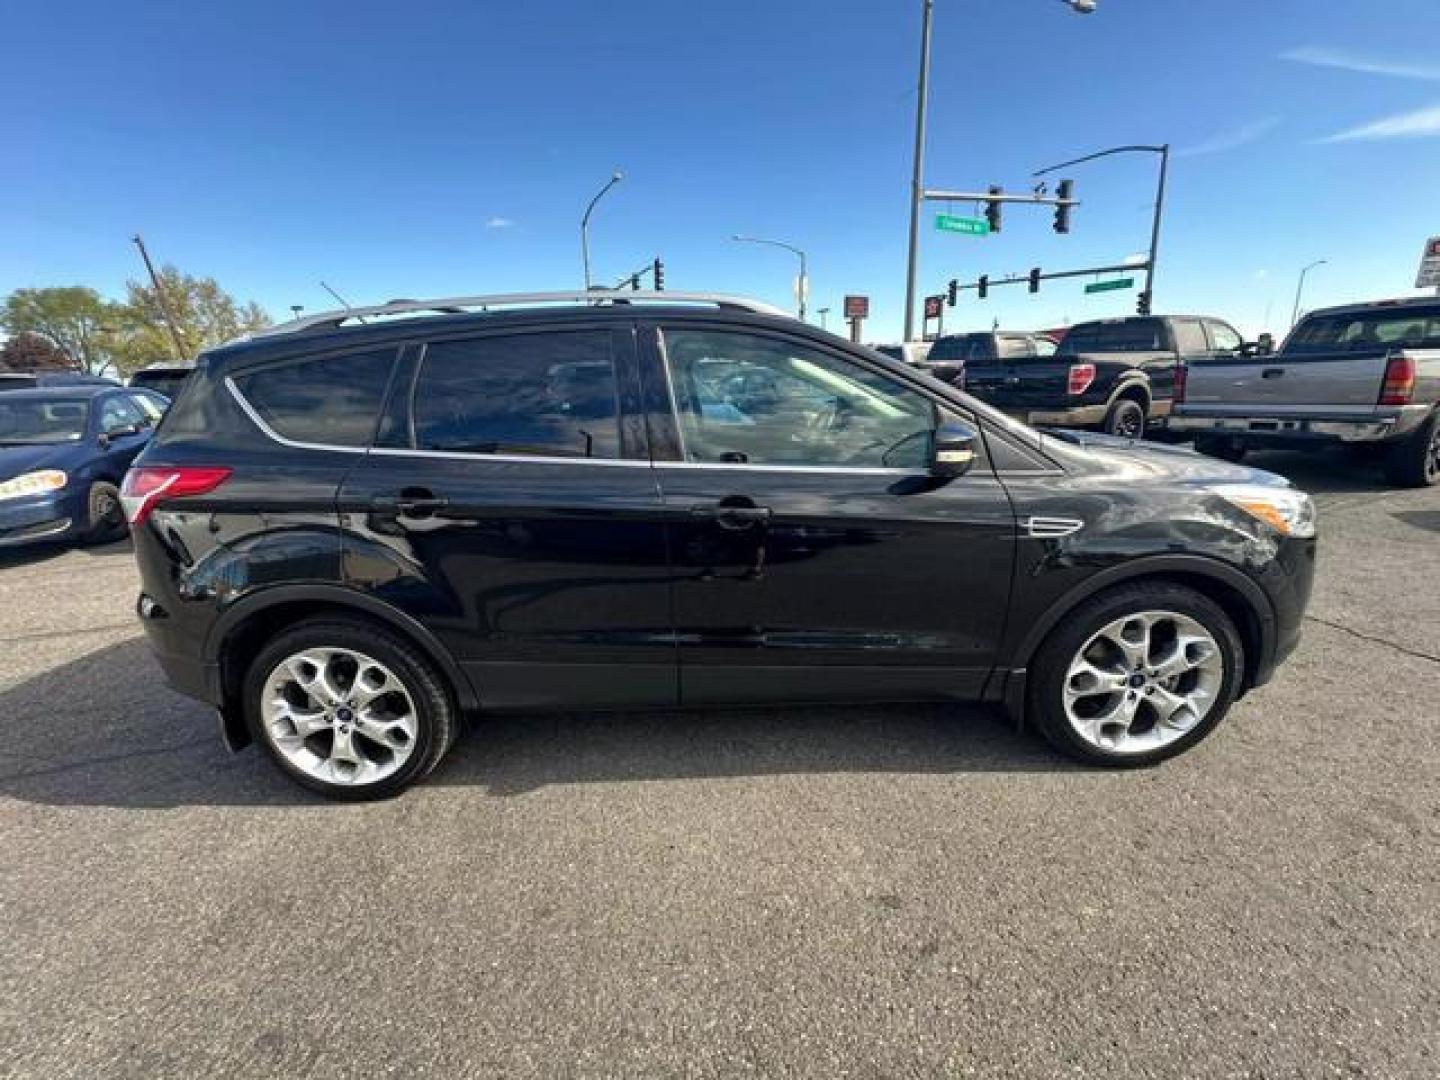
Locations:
(1415, 460)
(1225, 448)
(1126, 418)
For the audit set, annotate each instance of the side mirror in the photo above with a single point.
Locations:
(952, 450)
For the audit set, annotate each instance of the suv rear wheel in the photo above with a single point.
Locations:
(348, 709)
(1136, 675)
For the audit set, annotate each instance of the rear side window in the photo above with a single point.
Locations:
(1190, 338)
(541, 394)
(327, 400)
(1131, 335)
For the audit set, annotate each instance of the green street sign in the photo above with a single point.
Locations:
(970, 226)
(1110, 286)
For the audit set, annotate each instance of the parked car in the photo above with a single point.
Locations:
(63, 453)
(1114, 374)
(952, 354)
(1363, 374)
(32, 380)
(350, 535)
(166, 379)
(908, 352)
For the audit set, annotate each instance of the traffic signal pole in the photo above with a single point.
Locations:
(917, 183)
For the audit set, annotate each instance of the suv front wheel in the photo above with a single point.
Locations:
(1136, 675)
(348, 709)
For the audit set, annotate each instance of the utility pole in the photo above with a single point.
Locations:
(180, 350)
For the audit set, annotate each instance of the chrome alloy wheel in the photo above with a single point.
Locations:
(1143, 681)
(339, 716)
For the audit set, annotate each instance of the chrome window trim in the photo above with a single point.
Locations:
(857, 470)
(531, 459)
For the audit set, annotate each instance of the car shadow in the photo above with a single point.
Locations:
(103, 730)
(1428, 520)
(47, 551)
(1323, 470)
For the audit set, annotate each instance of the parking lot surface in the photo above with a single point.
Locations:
(898, 891)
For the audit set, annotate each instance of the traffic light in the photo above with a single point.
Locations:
(1142, 302)
(658, 274)
(952, 292)
(992, 208)
(1062, 212)
(1035, 280)
(982, 286)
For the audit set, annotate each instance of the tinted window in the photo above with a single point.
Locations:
(152, 405)
(743, 398)
(547, 394)
(955, 347)
(1415, 327)
(165, 382)
(1190, 338)
(1130, 335)
(1224, 338)
(331, 400)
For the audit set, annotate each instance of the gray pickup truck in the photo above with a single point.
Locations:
(1364, 374)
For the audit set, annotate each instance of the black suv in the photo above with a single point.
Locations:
(352, 534)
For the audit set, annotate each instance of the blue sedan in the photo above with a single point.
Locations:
(63, 453)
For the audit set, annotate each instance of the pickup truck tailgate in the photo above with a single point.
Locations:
(1337, 383)
(1018, 384)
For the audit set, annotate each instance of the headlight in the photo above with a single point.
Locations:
(1286, 510)
(33, 483)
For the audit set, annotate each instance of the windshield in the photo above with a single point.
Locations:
(42, 421)
(1412, 327)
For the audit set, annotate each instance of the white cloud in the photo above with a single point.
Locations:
(1368, 65)
(1419, 124)
(500, 223)
(1234, 139)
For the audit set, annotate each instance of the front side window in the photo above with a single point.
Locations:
(747, 399)
(327, 400)
(540, 394)
(118, 413)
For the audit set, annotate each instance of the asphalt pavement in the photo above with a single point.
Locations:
(862, 892)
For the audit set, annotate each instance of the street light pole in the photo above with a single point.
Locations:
(1300, 288)
(804, 283)
(615, 178)
(917, 181)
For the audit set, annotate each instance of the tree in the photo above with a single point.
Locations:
(205, 315)
(31, 352)
(76, 320)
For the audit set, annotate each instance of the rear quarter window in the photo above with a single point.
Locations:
(1130, 335)
(328, 400)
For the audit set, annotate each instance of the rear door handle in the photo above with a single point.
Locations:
(1272, 372)
(731, 516)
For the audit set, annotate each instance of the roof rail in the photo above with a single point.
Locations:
(455, 305)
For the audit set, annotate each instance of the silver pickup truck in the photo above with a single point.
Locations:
(1360, 374)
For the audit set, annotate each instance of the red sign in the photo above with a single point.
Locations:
(932, 306)
(857, 307)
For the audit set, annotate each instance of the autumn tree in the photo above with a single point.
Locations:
(76, 320)
(32, 352)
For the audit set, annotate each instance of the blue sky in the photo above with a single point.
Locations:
(450, 147)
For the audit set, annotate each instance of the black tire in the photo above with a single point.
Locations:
(1224, 447)
(1126, 418)
(1052, 663)
(1414, 462)
(436, 714)
(104, 516)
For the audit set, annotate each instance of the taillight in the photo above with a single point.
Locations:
(1181, 372)
(1081, 376)
(1399, 385)
(148, 484)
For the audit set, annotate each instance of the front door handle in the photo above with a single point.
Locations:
(1272, 372)
(412, 502)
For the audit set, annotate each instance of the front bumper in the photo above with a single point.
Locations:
(1292, 429)
(42, 517)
